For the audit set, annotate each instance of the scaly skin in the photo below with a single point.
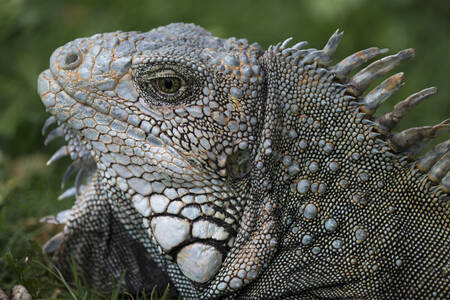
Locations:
(234, 172)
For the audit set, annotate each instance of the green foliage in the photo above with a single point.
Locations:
(43, 280)
(31, 29)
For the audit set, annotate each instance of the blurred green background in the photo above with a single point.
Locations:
(31, 29)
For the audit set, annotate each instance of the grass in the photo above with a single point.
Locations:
(44, 280)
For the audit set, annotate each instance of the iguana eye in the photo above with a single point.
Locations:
(164, 84)
(167, 85)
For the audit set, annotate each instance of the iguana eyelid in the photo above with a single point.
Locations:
(164, 73)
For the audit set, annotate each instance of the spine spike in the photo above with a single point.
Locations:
(68, 193)
(48, 220)
(299, 54)
(69, 171)
(440, 169)
(378, 95)
(63, 151)
(348, 64)
(300, 45)
(362, 80)
(389, 120)
(413, 140)
(330, 47)
(54, 134)
(53, 244)
(80, 175)
(445, 183)
(276, 47)
(311, 56)
(287, 52)
(60, 218)
(285, 43)
(432, 156)
(51, 120)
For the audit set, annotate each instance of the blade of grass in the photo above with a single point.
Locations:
(57, 273)
(116, 292)
(166, 293)
(74, 270)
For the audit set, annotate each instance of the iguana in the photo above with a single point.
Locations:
(240, 173)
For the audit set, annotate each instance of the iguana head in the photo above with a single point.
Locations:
(169, 120)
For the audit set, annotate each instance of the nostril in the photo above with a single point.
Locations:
(71, 60)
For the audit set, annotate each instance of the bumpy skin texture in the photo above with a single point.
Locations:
(234, 172)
